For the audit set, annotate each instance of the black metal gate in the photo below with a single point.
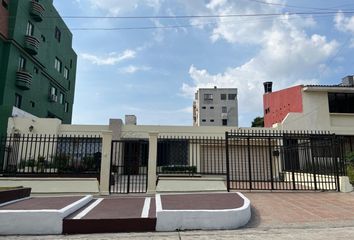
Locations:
(129, 166)
(278, 160)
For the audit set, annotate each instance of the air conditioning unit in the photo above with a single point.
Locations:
(53, 98)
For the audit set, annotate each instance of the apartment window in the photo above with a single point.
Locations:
(267, 110)
(224, 122)
(35, 70)
(223, 96)
(30, 28)
(57, 34)
(32, 104)
(203, 120)
(203, 107)
(211, 107)
(66, 107)
(224, 109)
(71, 63)
(66, 73)
(341, 102)
(211, 120)
(57, 64)
(18, 100)
(61, 98)
(232, 96)
(4, 4)
(21, 63)
(43, 38)
(208, 96)
(53, 91)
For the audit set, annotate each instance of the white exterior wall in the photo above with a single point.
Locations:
(316, 115)
(213, 109)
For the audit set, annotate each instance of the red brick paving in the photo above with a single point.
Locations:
(271, 209)
(38, 203)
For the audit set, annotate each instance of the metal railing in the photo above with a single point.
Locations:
(281, 160)
(191, 155)
(129, 166)
(50, 155)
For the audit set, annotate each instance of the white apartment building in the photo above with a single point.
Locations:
(215, 107)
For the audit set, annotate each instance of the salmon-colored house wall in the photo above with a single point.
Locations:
(277, 105)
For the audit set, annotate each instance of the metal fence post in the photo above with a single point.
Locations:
(271, 164)
(227, 161)
(249, 163)
(105, 173)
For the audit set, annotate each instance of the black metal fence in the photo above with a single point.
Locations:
(129, 166)
(50, 155)
(191, 155)
(280, 160)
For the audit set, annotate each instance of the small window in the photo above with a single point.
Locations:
(232, 96)
(223, 96)
(203, 120)
(18, 100)
(211, 107)
(208, 96)
(32, 104)
(71, 63)
(43, 38)
(57, 34)
(66, 73)
(69, 85)
(4, 4)
(53, 91)
(30, 28)
(66, 107)
(224, 122)
(224, 109)
(211, 120)
(35, 70)
(57, 64)
(21, 64)
(203, 107)
(61, 98)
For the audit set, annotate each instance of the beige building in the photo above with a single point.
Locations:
(215, 107)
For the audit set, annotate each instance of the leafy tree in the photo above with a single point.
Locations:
(258, 122)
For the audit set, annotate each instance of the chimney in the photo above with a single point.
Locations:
(130, 120)
(348, 81)
(267, 87)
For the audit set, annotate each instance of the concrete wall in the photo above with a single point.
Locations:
(212, 109)
(316, 116)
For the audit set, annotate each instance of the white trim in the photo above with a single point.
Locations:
(146, 208)
(14, 201)
(158, 203)
(88, 209)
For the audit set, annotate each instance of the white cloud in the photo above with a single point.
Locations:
(288, 55)
(116, 7)
(109, 59)
(345, 24)
(133, 69)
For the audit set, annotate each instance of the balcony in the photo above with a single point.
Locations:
(23, 79)
(31, 44)
(37, 11)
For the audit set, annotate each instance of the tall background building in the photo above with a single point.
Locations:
(37, 62)
(215, 107)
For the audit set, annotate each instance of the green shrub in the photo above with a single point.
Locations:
(179, 169)
(61, 162)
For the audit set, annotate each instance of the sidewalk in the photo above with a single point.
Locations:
(289, 215)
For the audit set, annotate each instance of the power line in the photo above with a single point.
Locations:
(290, 6)
(201, 16)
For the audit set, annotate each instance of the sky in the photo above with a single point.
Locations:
(151, 67)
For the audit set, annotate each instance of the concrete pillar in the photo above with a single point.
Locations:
(105, 163)
(115, 125)
(151, 188)
(344, 184)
